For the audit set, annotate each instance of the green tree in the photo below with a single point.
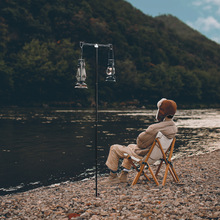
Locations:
(210, 88)
(6, 83)
(44, 71)
(191, 89)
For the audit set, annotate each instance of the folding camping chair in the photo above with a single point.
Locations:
(158, 151)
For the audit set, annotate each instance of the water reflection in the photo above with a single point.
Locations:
(41, 147)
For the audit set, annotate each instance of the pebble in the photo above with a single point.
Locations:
(196, 196)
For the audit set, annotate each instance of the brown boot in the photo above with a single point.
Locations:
(112, 179)
(123, 177)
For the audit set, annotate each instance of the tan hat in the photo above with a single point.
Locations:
(165, 108)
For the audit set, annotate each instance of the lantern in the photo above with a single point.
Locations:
(110, 71)
(81, 75)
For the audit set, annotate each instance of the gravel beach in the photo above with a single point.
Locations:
(196, 196)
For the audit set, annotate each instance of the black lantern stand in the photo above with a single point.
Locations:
(81, 77)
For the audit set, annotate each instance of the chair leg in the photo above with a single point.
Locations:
(146, 176)
(174, 172)
(152, 173)
(132, 163)
(168, 165)
(158, 169)
(165, 175)
(138, 175)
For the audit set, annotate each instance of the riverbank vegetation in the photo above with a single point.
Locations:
(155, 57)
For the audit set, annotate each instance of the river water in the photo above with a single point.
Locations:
(40, 147)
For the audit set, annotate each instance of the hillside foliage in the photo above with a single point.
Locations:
(155, 57)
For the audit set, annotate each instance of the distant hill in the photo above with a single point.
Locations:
(155, 57)
(183, 30)
(187, 33)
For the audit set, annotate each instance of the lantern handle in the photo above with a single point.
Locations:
(110, 52)
(81, 46)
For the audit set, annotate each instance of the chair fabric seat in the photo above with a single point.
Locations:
(156, 154)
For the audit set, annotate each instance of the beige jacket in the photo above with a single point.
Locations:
(146, 138)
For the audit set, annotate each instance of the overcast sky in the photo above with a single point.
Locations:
(201, 15)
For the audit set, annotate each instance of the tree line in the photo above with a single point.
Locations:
(39, 45)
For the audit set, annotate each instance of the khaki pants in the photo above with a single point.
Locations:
(116, 152)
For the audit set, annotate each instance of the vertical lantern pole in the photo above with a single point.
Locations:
(110, 77)
(96, 122)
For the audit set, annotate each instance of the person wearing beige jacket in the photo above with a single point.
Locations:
(164, 116)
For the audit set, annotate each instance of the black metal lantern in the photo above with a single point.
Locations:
(110, 71)
(81, 75)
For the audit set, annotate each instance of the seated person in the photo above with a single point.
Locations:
(165, 113)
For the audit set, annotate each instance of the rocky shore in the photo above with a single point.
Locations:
(196, 196)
